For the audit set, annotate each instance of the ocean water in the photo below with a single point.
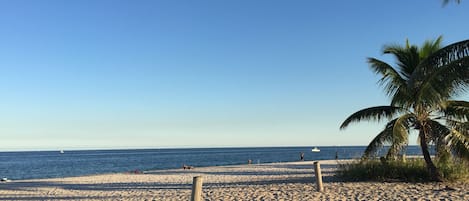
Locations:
(52, 164)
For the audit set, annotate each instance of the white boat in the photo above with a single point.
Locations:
(62, 151)
(315, 149)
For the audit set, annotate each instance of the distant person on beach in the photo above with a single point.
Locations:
(187, 167)
(302, 156)
(336, 155)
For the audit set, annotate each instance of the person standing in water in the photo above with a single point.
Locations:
(302, 156)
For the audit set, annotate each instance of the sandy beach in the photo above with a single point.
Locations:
(275, 181)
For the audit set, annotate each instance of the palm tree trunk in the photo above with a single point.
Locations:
(434, 173)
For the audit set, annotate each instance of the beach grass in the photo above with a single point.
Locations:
(454, 170)
(412, 170)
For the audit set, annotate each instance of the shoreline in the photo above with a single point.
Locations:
(194, 168)
(42, 165)
(240, 164)
(269, 181)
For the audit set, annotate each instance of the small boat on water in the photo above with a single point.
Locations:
(315, 149)
(61, 151)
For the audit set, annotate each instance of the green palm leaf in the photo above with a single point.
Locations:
(407, 58)
(372, 113)
(458, 141)
(442, 83)
(382, 138)
(438, 134)
(438, 131)
(400, 132)
(453, 54)
(391, 79)
(430, 47)
(456, 110)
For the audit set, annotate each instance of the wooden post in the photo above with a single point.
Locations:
(196, 189)
(317, 172)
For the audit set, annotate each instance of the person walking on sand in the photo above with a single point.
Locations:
(302, 156)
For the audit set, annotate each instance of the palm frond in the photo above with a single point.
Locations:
(458, 138)
(437, 131)
(458, 141)
(430, 47)
(458, 125)
(407, 58)
(391, 79)
(456, 110)
(442, 74)
(382, 138)
(372, 113)
(400, 133)
(444, 56)
(437, 135)
(442, 83)
(403, 98)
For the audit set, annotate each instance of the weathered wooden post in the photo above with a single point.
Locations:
(196, 189)
(317, 172)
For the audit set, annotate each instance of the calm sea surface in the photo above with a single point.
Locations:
(50, 164)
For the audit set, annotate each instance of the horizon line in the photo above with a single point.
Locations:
(166, 147)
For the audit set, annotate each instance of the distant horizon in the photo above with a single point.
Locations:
(182, 147)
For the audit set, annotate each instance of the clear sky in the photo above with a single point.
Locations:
(136, 74)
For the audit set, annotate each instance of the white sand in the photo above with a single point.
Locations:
(277, 181)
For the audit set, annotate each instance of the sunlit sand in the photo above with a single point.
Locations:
(275, 181)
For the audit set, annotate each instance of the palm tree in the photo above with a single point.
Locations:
(421, 86)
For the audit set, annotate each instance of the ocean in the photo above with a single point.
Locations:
(53, 164)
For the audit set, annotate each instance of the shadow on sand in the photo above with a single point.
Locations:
(303, 175)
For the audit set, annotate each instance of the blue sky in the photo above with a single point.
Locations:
(134, 74)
